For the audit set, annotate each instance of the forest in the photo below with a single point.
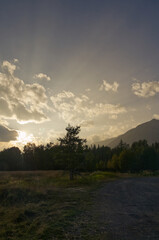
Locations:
(73, 154)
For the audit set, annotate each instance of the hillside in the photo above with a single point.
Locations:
(148, 130)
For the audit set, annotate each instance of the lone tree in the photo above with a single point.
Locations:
(72, 147)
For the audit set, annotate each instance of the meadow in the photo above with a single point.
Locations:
(47, 205)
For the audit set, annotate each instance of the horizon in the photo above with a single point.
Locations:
(92, 64)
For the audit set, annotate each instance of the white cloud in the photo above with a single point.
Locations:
(20, 101)
(8, 67)
(156, 116)
(145, 89)
(42, 76)
(65, 94)
(109, 87)
(16, 60)
(7, 135)
(75, 109)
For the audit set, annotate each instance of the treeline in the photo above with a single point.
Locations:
(137, 157)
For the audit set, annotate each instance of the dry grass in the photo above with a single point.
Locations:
(47, 205)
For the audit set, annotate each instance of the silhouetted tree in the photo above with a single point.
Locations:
(126, 160)
(72, 147)
(150, 161)
(11, 159)
(29, 156)
(120, 147)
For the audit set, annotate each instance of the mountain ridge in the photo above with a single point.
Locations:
(147, 130)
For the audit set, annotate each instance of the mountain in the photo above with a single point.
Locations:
(148, 130)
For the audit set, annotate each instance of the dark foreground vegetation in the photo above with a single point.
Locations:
(46, 205)
(74, 155)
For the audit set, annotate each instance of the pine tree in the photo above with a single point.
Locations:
(72, 147)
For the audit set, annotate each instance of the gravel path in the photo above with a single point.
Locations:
(128, 209)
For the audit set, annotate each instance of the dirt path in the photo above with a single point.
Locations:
(128, 209)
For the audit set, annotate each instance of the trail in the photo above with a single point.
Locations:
(128, 209)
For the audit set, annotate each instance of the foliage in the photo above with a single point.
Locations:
(140, 156)
(10, 159)
(72, 148)
(74, 155)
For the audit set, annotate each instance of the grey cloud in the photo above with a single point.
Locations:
(4, 108)
(23, 114)
(7, 135)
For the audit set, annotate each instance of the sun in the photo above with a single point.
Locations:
(23, 138)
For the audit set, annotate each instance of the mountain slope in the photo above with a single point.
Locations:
(148, 130)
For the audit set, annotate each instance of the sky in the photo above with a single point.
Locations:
(81, 62)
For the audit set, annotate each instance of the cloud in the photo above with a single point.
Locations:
(148, 107)
(24, 115)
(109, 87)
(156, 116)
(5, 110)
(7, 135)
(75, 109)
(8, 67)
(87, 89)
(42, 76)
(113, 116)
(20, 101)
(145, 89)
(15, 60)
(93, 139)
(65, 94)
(85, 123)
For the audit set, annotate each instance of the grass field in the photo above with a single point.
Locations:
(46, 205)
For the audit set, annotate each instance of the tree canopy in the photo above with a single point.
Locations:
(72, 147)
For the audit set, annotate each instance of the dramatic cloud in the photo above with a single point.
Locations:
(42, 76)
(75, 109)
(7, 135)
(20, 101)
(145, 89)
(109, 87)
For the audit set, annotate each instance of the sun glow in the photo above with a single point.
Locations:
(23, 138)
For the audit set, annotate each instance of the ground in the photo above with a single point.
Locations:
(128, 209)
(98, 206)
